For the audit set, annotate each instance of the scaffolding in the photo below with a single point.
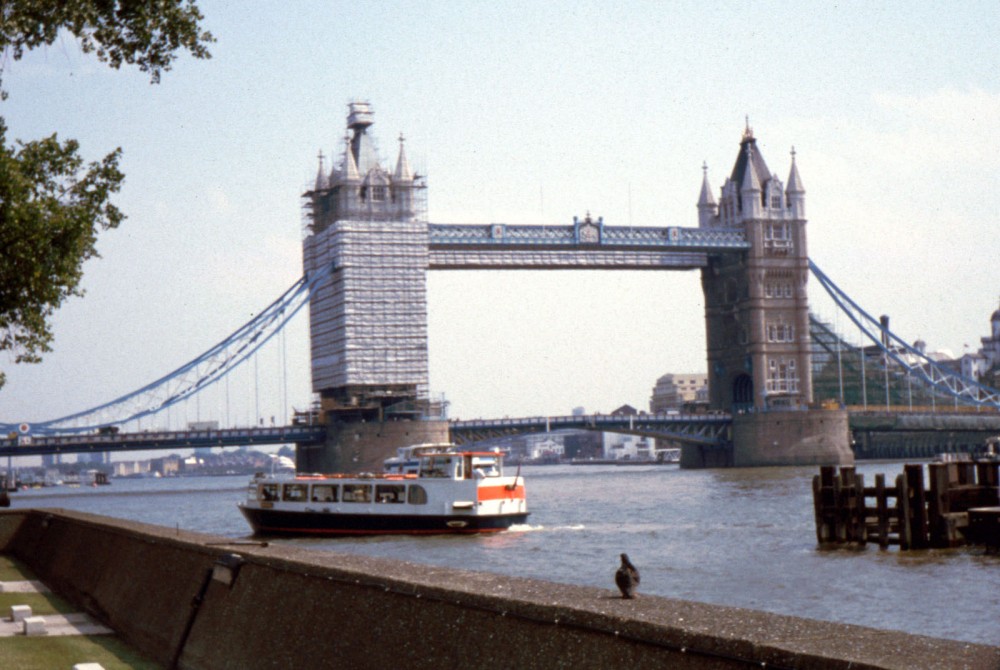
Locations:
(368, 320)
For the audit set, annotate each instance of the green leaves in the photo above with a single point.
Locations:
(147, 33)
(51, 209)
(52, 205)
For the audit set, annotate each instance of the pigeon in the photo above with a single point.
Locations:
(627, 578)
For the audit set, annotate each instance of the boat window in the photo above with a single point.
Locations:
(324, 493)
(294, 492)
(417, 495)
(435, 467)
(485, 466)
(390, 493)
(269, 492)
(361, 493)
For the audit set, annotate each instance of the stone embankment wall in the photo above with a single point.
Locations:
(163, 592)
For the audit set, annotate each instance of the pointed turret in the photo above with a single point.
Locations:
(403, 172)
(750, 188)
(707, 209)
(795, 191)
(321, 182)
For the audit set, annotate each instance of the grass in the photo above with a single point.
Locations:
(46, 653)
(41, 603)
(12, 570)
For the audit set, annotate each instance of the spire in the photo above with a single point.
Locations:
(403, 172)
(707, 209)
(705, 199)
(795, 192)
(350, 167)
(751, 182)
(750, 190)
(321, 182)
(794, 180)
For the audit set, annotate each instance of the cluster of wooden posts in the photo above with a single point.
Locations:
(960, 506)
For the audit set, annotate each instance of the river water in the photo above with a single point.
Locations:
(743, 538)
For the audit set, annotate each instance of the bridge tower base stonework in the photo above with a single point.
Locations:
(359, 446)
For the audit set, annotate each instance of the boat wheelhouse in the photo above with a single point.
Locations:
(452, 491)
(407, 459)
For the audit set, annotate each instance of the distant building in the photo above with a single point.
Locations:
(95, 458)
(674, 390)
(51, 460)
(166, 466)
(130, 468)
(583, 444)
(628, 447)
(984, 365)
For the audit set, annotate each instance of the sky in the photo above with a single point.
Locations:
(518, 112)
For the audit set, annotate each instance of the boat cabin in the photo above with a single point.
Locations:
(381, 489)
(378, 491)
(461, 465)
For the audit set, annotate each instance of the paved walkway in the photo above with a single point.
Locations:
(55, 624)
(58, 624)
(26, 586)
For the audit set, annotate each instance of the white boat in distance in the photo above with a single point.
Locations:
(451, 491)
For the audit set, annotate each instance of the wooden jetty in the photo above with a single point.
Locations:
(956, 504)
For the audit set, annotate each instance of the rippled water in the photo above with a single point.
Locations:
(744, 538)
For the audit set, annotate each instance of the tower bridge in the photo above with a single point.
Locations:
(368, 319)
(368, 247)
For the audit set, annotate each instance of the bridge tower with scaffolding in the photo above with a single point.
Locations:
(368, 320)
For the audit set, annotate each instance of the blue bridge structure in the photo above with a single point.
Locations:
(775, 371)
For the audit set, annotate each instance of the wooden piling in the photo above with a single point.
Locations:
(881, 511)
(920, 516)
(916, 509)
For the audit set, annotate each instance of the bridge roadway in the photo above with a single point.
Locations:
(704, 429)
(695, 429)
(701, 429)
(33, 445)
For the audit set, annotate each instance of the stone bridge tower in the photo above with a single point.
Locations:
(757, 323)
(756, 306)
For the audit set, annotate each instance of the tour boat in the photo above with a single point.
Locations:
(452, 491)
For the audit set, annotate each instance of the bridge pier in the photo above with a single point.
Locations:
(810, 437)
(361, 446)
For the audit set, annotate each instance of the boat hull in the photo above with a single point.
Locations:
(284, 522)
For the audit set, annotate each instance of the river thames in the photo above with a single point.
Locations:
(739, 537)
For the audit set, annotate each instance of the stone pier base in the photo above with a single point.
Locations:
(359, 446)
(813, 437)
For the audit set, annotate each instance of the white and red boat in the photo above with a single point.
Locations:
(451, 491)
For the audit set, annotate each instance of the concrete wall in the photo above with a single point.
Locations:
(290, 607)
(362, 446)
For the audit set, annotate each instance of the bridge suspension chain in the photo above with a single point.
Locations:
(912, 361)
(195, 375)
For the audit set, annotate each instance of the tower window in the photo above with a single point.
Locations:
(782, 376)
(780, 332)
